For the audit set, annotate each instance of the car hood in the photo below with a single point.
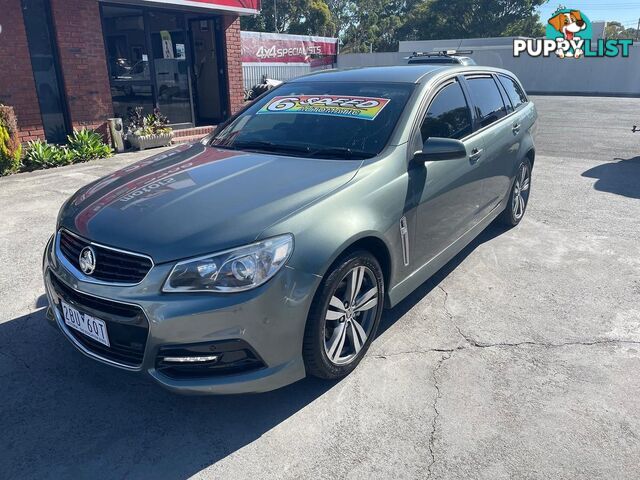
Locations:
(197, 199)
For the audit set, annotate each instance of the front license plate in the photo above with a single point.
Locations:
(90, 326)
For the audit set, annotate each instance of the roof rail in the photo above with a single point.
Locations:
(441, 53)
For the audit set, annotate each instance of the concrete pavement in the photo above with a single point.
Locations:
(518, 360)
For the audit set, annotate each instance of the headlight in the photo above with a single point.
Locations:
(231, 271)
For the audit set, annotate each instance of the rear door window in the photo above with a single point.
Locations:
(514, 91)
(487, 100)
(448, 115)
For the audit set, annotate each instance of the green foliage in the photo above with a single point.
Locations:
(87, 145)
(439, 19)
(153, 124)
(616, 31)
(40, 154)
(373, 25)
(302, 17)
(10, 147)
(83, 145)
(378, 25)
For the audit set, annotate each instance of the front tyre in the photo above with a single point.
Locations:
(519, 196)
(344, 316)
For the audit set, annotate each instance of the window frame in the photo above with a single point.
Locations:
(415, 143)
(440, 89)
(478, 125)
(57, 68)
(415, 139)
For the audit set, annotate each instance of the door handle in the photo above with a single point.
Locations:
(516, 128)
(475, 155)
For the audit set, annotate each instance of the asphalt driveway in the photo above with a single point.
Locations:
(519, 360)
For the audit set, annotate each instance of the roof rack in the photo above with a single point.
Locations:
(441, 53)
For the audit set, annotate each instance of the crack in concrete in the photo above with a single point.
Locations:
(434, 422)
(16, 359)
(471, 343)
(479, 344)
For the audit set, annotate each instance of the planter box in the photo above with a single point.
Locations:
(150, 141)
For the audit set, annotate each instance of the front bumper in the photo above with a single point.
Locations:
(269, 319)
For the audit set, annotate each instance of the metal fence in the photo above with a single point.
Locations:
(253, 72)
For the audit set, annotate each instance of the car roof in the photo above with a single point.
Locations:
(417, 73)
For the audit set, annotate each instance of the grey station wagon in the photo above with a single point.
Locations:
(268, 250)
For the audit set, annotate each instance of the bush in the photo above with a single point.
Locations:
(87, 145)
(10, 148)
(153, 124)
(40, 154)
(84, 145)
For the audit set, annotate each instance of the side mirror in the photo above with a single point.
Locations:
(440, 149)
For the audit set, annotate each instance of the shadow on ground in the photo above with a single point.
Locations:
(67, 416)
(622, 177)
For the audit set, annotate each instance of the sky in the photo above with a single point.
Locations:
(626, 12)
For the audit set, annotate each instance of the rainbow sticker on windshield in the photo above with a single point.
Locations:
(365, 108)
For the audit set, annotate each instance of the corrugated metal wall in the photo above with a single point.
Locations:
(253, 72)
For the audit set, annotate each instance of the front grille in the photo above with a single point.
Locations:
(111, 265)
(127, 325)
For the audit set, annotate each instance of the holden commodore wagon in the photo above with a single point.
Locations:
(268, 251)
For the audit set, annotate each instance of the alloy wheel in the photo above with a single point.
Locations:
(521, 191)
(351, 315)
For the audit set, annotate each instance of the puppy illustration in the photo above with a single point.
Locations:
(568, 24)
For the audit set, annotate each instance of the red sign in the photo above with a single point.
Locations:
(237, 6)
(258, 47)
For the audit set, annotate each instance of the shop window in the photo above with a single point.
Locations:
(168, 40)
(46, 73)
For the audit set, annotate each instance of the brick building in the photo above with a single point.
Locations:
(68, 64)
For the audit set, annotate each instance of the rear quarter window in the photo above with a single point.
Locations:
(516, 95)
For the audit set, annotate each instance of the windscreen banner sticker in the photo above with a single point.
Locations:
(365, 108)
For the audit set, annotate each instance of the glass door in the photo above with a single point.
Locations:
(170, 66)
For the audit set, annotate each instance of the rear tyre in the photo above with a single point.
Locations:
(344, 316)
(519, 196)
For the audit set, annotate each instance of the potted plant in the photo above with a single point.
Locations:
(148, 131)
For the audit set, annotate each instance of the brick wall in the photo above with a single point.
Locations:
(231, 25)
(17, 86)
(83, 62)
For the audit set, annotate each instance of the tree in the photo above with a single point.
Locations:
(442, 19)
(615, 30)
(373, 25)
(378, 25)
(304, 17)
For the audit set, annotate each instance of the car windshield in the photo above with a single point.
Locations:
(341, 120)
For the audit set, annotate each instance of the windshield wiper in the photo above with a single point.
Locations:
(271, 147)
(340, 152)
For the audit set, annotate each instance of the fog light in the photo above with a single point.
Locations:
(211, 358)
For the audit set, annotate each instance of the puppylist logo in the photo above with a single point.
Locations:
(569, 35)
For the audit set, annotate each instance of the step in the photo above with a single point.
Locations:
(188, 135)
